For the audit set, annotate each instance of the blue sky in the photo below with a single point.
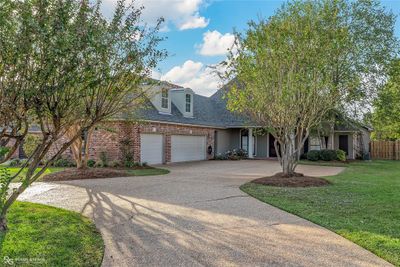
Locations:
(224, 16)
(198, 32)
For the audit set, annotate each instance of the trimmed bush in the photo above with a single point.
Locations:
(313, 155)
(328, 155)
(340, 155)
(220, 156)
(64, 163)
(115, 164)
(91, 163)
(15, 163)
(98, 164)
(366, 156)
(3, 151)
(104, 158)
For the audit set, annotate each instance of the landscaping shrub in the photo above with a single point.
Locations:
(241, 153)
(91, 163)
(340, 155)
(3, 151)
(127, 155)
(328, 155)
(129, 164)
(236, 154)
(115, 164)
(104, 158)
(313, 155)
(64, 163)
(15, 163)
(220, 156)
(98, 164)
(30, 143)
(366, 156)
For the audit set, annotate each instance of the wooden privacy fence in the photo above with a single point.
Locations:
(385, 150)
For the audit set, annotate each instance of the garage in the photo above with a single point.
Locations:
(151, 148)
(188, 148)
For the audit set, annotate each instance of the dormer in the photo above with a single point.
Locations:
(182, 98)
(160, 97)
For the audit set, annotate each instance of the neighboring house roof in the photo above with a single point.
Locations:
(345, 124)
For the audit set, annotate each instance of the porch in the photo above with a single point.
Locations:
(260, 144)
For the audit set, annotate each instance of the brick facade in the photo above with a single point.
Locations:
(108, 136)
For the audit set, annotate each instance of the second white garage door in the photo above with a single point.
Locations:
(151, 148)
(187, 148)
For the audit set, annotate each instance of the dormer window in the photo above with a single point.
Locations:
(164, 98)
(188, 102)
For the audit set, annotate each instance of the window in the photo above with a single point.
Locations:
(188, 102)
(164, 98)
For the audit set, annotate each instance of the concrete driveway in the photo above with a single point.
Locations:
(197, 216)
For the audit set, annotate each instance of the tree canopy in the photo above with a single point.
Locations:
(386, 114)
(309, 58)
(62, 64)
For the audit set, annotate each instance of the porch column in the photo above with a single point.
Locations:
(251, 144)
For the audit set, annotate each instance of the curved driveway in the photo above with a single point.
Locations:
(197, 216)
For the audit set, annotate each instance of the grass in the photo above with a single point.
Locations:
(14, 170)
(324, 163)
(362, 205)
(48, 236)
(148, 172)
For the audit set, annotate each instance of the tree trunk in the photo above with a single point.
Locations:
(3, 223)
(80, 148)
(76, 147)
(86, 146)
(288, 157)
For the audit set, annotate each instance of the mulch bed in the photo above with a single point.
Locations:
(299, 180)
(89, 173)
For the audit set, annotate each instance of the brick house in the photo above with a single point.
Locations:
(178, 125)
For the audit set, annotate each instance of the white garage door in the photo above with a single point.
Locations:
(151, 150)
(187, 148)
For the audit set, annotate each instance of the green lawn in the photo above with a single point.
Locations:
(363, 205)
(14, 170)
(49, 236)
(324, 163)
(148, 172)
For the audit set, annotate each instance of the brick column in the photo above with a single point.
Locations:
(167, 148)
(136, 142)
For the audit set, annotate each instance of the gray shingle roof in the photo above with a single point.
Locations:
(207, 111)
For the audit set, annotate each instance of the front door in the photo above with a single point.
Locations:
(244, 141)
(344, 143)
(272, 150)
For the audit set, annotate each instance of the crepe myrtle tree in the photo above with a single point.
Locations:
(63, 64)
(289, 71)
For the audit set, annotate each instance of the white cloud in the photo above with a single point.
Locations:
(155, 74)
(194, 75)
(215, 43)
(184, 14)
(194, 23)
